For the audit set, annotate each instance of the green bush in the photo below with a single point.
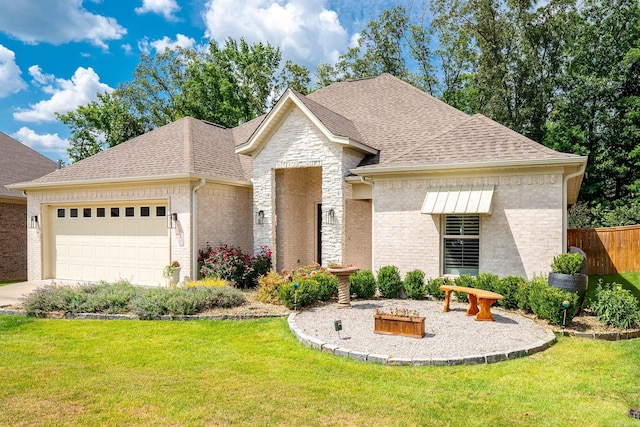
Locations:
(567, 263)
(466, 281)
(509, 287)
(327, 285)
(232, 264)
(362, 284)
(615, 306)
(487, 281)
(414, 285)
(389, 281)
(546, 302)
(433, 286)
(150, 303)
(306, 294)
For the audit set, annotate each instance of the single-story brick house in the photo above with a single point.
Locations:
(17, 163)
(370, 172)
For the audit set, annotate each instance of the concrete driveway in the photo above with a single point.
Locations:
(11, 294)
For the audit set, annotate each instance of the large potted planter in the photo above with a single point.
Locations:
(567, 273)
(399, 321)
(344, 293)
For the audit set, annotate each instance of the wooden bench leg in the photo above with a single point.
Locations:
(485, 309)
(473, 305)
(447, 296)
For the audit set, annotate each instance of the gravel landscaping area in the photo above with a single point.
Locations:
(450, 336)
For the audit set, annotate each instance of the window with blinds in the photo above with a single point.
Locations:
(461, 243)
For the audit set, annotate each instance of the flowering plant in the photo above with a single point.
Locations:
(230, 263)
(400, 312)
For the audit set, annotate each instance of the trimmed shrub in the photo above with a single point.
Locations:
(414, 285)
(433, 286)
(306, 294)
(389, 281)
(567, 263)
(468, 282)
(487, 281)
(150, 304)
(327, 285)
(268, 288)
(362, 284)
(615, 306)
(546, 302)
(508, 287)
(230, 263)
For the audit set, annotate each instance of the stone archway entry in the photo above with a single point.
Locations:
(297, 196)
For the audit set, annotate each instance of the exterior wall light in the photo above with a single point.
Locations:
(173, 218)
(34, 221)
(330, 217)
(260, 217)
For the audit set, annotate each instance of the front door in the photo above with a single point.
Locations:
(319, 233)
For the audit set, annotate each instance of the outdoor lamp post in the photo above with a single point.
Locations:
(295, 296)
(565, 305)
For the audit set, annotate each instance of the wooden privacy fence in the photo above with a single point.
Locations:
(609, 250)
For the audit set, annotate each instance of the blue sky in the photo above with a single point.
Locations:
(57, 54)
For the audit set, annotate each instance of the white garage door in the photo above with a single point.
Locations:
(110, 242)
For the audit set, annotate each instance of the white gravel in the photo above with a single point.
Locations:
(451, 335)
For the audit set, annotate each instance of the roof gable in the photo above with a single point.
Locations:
(334, 127)
(20, 163)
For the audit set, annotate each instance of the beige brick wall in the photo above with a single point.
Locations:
(225, 216)
(13, 241)
(520, 236)
(178, 197)
(357, 233)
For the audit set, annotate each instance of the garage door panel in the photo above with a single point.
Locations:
(105, 248)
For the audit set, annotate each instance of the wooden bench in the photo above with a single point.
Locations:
(485, 298)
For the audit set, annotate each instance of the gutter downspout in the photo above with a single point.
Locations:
(369, 182)
(565, 211)
(194, 229)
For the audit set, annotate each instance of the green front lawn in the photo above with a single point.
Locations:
(75, 372)
(630, 281)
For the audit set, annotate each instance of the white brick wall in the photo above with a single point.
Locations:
(299, 143)
(520, 236)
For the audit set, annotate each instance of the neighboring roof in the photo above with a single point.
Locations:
(20, 163)
(186, 147)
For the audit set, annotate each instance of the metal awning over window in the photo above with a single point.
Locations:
(464, 199)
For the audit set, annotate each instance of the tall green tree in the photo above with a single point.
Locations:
(226, 84)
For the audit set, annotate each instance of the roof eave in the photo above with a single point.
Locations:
(137, 180)
(387, 170)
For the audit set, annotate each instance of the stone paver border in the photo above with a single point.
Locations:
(318, 344)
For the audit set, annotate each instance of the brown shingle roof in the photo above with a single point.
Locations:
(336, 123)
(20, 163)
(479, 139)
(186, 146)
(389, 114)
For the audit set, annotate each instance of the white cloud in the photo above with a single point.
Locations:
(56, 22)
(66, 95)
(305, 30)
(166, 8)
(47, 142)
(126, 47)
(165, 43)
(44, 79)
(10, 80)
